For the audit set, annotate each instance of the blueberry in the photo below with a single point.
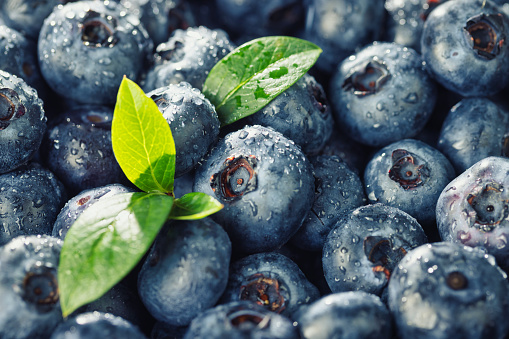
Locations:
(77, 148)
(445, 290)
(464, 45)
(186, 270)
(241, 320)
(22, 122)
(256, 18)
(301, 113)
(193, 120)
(473, 208)
(364, 247)
(93, 325)
(353, 315)
(338, 190)
(26, 16)
(340, 27)
(188, 55)
(266, 184)
(382, 94)
(406, 19)
(86, 47)
(410, 175)
(29, 307)
(271, 280)
(475, 128)
(162, 330)
(30, 199)
(77, 204)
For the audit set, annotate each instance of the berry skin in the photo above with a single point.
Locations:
(338, 190)
(301, 113)
(188, 56)
(86, 47)
(382, 94)
(410, 175)
(29, 307)
(473, 208)
(186, 270)
(22, 122)
(265, 183)
(353, 315)
(193, 121)
(77, 148)
(446, 290)
(474, 129)
(271, 280)
(26, 16)
(241, 320)
(364, 247)
(30, 199)
(465, 47)
(96, 325)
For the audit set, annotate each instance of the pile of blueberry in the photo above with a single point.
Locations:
(370, 199)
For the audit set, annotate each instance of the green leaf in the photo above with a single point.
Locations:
(253, 74)
(193, 206)
(142, 140)
(106, 242)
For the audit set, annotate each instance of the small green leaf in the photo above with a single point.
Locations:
(253, 74)
(142, 140)
(106, 242)
(193, 206)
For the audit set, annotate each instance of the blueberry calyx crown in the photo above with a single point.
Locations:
(456, 281)
(10, 107)
(489, 206)
(368, 78)
(246, 319)
(380, 251)
(236, 178)
(505, 146)
(97, 119)
(319, 99)
(408, 169)
(173, 54)
(264, 289)
(484, 34)
(41, 288)
(98, 30)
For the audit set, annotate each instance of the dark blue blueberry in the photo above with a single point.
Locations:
(364, 247)
(193, 121)
(352, 315)
(30, 306)
(382, 94)
(465, 47)
(86, 47)
(77, 204)
(250, 19)
(266, 184)
(473, 209)
(338, 190)
(475, 128)
(271, 280)
(301, 113)
(186, 270)
(77, 148)
(93, 325)
(445, 290)
(406, 19)
(340, 27)
(241, 320)
(410, 175)
(162, 330)
(26, 16)
(188, 55)
(30, 199)
(22, 122)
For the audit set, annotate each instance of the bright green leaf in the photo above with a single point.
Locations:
(106, 242)
(194, 206)
(253, 74)
(142, 140)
